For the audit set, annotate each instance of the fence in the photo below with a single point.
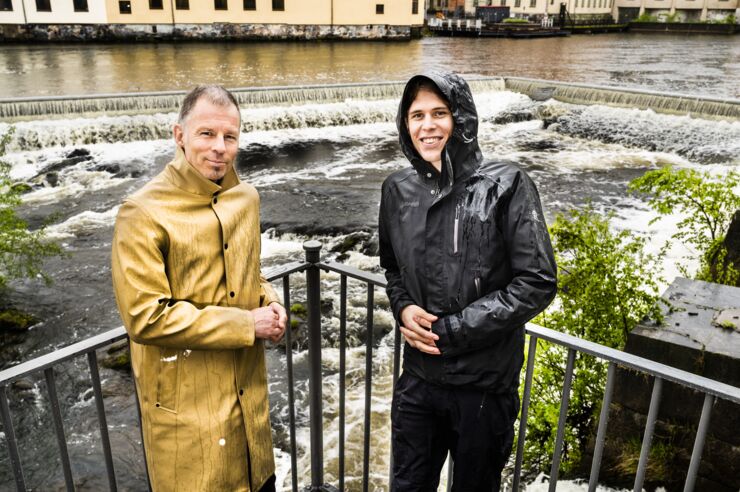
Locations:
(312, 267)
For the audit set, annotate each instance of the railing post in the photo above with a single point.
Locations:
(313, 301)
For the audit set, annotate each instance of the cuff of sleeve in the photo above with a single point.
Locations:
(249, 328)
(398, 309)
(441, 328)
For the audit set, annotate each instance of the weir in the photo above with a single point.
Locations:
(661, 102)
(20, 109)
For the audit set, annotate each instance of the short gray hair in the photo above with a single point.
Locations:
(215, 94)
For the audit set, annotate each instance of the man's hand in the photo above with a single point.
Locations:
(416, 327)
(269, 322)
(282, 321)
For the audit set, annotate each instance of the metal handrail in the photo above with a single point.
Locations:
(311, 267)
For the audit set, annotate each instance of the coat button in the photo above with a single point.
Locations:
(433, 192)
(226, 245)
(241, 391)
(232, 293)
(215, 200)
(429, 175)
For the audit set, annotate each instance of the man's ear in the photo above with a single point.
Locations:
(177, 133)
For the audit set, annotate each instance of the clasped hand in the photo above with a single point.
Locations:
(270, 322)
(416, 327)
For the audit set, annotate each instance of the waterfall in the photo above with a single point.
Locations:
(703, 107)
(15, 109)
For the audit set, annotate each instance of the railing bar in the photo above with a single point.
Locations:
(701, 435)
(285, 270)
(631, 361)
(601, 433)
(368, 387)
(525, 411)
(355, 273)
(396, 373)
(342, 372)
(315, 379)
(560, 436)
(15, 458)
(59, 427)
(60, 355)
(92, 360)
(291, 395)
(648, 436)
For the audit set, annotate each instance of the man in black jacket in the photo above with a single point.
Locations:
(468, 261)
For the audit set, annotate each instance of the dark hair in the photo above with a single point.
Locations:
(215, 94)
(416, 85)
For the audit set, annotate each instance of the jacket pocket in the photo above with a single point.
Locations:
(168, 379)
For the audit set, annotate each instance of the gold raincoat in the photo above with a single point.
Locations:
(186, 271)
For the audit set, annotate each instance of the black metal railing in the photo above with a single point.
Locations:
(312, 268)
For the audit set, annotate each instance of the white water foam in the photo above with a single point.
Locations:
(82, 223)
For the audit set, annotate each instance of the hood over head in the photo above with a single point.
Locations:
(461, 155)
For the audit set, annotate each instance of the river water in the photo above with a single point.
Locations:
(318, 167)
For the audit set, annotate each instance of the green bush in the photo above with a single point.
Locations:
(607, 284)
(707, 204)
(22, 251)
(645, 17)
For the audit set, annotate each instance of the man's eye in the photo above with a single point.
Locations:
(206, 133)
(441, 114)
(416, 116)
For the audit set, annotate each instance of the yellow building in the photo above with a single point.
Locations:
(214, 19)
(289, 12)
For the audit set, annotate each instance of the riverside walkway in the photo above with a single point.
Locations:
(310, 271)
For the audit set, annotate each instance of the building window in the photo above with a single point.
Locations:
(156, 5)
(414, 7)
(6, 5)
(80, 5)
(182, 4)
(517, 3)
(124, 6)
(250, 4)
(532, 3)
(278, 4)
(43, 6)
(221, 4)
(379, 8)
(503, 3)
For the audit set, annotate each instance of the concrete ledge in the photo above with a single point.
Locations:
(685, 27)
(197, 32)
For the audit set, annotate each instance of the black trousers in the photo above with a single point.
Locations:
(475, 426)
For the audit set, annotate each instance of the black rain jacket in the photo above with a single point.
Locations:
(469, 245)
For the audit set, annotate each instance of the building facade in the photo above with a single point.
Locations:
(213, 18)
(621, 10)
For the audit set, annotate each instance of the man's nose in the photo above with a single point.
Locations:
(218, 144)
(428, 122)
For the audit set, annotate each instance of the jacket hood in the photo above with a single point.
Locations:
(461, 155)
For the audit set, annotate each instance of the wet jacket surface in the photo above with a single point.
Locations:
(470, 245)
(185, 265)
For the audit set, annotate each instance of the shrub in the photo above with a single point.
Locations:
(607, 284)
(22, 251)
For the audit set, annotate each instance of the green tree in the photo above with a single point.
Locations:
(707, 204)
(607, 284)
(22, 251)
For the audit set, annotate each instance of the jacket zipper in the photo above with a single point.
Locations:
(477, 286)
(456, 229)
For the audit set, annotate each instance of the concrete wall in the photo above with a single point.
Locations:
(362, 12)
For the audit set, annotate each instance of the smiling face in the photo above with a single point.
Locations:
(430, 124)
(209, 135)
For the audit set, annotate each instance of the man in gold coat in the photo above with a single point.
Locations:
(187, 279)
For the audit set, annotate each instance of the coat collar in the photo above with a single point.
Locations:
(183, 175)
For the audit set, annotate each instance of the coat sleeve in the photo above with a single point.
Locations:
(532, 287)
(395, 289)
(144, 298)
(267, 292)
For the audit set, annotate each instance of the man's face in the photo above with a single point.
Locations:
(430, 125)
(210, 138)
